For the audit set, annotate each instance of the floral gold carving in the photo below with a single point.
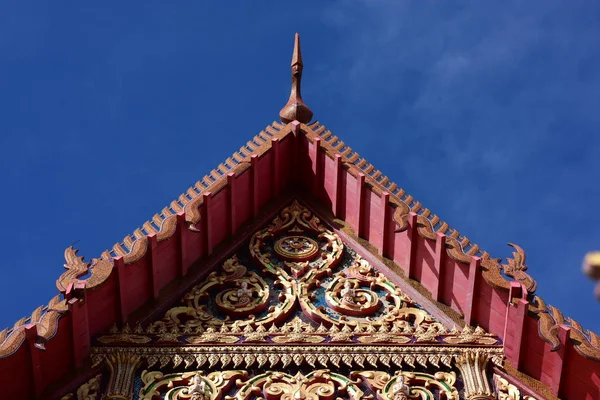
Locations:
(319, 384)
(507, 391)
(368, 307)
(404, 385)
(124, 338)
(281, 386)
(189, 385)
(87, 391)
(470, 336)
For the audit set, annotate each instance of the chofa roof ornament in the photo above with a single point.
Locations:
(296, 109)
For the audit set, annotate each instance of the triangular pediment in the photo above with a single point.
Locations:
(295, 281)
(296, 308)
(242, 277)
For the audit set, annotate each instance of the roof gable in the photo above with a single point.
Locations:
(190, 236)
(391, 225)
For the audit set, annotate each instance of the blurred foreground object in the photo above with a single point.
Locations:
(591, 267)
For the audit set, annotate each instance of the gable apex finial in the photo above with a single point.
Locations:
(296, 109)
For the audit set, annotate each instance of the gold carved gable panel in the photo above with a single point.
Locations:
(296, 282)
(296, 313)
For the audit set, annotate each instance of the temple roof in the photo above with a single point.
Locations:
(295, 159)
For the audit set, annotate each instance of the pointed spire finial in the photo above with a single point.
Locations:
(295, 109)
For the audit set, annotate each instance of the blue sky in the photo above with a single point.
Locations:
(486, 112)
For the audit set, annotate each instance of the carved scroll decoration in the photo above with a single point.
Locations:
(585, 342)
(189, 385)
(404, 385)
(320, 384)
(45, 322)
(99, 268)
(87, 391)
(507, 391)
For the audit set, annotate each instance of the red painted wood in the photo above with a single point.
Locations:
(15, 375)
(330, 181)
(56, 358)
(295, 151)
(104, 304)
(491, 309)
(119, 266)
(183, 254)
(581, 377)
(243, 198)
(438, 265)
(351, 200)
(168, 256)
(265, 177)
(373, 224)
(80, 326)
(136, 285)
(383, 225)
(304, 171)
(316, 164)
(559, 358)
(231, 204)
(424, 262)
(515, 324)
(218, 217)
(277, 167)
(285, 161)
(37, 373)
(453, 284)
(360, 206)
(538, 362)
(369, 213)
(413, 237)
(336, 197)
(471, 289)
(391, 237)
(255, 184)
(154, 270)
(206, 227)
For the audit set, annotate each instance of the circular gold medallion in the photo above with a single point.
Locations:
(296, 248)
